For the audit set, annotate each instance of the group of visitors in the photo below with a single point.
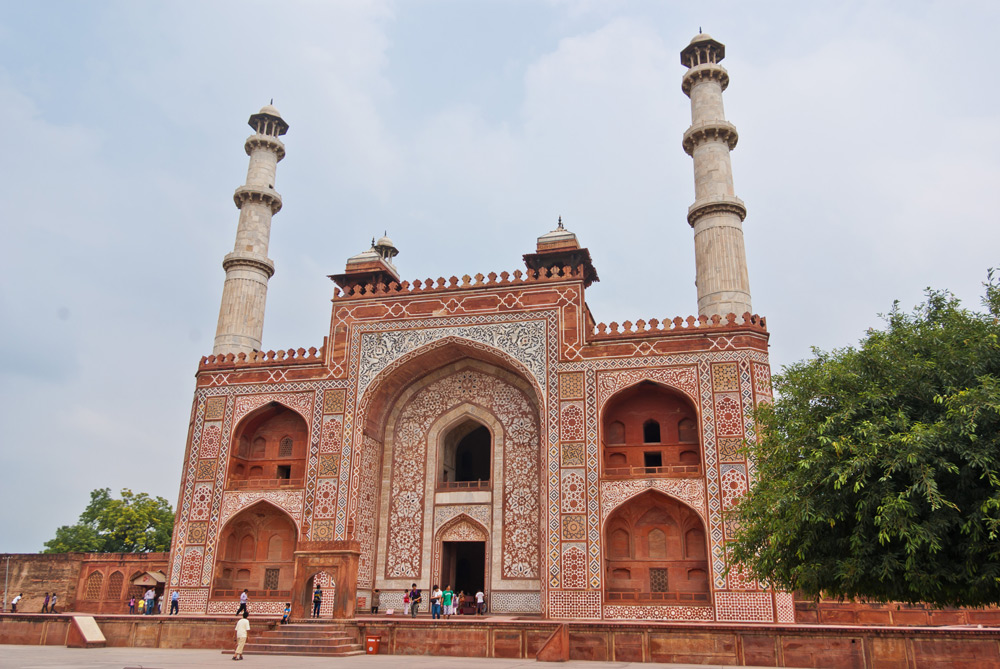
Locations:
(48, 604)
(443, 602)
(150, 603)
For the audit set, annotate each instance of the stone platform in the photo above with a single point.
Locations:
(522, 639)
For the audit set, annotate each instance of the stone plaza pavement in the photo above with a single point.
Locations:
(28, 657)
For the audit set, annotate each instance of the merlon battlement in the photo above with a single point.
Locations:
(702, 323)
(292, 356)
(467, 282)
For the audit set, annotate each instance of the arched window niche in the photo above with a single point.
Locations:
(259, 554)
(650, 430)
(655, 552)
(466, 456)
(269, 451)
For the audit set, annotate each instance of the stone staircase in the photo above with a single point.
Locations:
(306, 637)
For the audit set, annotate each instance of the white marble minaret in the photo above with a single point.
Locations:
(241, 316)
(717, 214)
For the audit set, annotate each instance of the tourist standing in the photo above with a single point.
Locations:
(242, 630)
(376, 596)
(447, 597)
(131, 603)
(52, 603)
(414, 601)
(480, 603)
(150, 597)
(436, 602)
(317, 600)
(45, 603)
(175, 603)
(243, 602)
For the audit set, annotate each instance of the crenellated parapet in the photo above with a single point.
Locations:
(466, 282)
(292, 356)
(656, 327)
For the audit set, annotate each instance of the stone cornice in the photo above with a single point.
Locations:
(707, 131)
(248, 193)
(722, 204)
(265, 142)
(704, 72)
(236, 259)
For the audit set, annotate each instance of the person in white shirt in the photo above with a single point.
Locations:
(243, 603)
(14, 602)
(242, 630)
(480, 603)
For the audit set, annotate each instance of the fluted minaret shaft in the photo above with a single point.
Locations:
(241, 315)
(717, 214)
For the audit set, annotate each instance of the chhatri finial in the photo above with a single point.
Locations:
(373, 242)
(699, 30)
(560, 224)
(272, 101)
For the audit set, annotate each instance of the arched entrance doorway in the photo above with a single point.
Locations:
(327, 587)
(462, 550)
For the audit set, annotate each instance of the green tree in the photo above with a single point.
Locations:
(136, 523)
(879, 466)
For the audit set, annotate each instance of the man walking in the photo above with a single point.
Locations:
(150, 598)
(376, 596)
(52, 603)
(175, 603)
(243, 603)
(14, 602)
(45, 604)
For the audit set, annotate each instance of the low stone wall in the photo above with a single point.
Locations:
(129, 631)
(832, 612)
(696, 643)
(708, 643)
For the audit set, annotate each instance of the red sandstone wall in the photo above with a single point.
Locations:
(35, 574)
(832, 612)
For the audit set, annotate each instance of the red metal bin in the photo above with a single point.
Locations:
(372, 643)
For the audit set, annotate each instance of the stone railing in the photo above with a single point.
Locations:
(643, 328)
(292, 356)
(491, 280)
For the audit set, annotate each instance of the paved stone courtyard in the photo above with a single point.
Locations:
(27, 657)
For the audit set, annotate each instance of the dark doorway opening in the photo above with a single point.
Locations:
(463, 565)
(472, 456)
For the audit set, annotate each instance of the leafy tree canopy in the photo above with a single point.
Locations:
(878, 467)
(136, 523)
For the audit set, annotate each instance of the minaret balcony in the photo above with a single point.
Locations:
(268, 142)
(239, 259)
(267, 196)
(710, 131)
(720, 204)
(704, 72)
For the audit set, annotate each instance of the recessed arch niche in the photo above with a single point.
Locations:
(269, 450)
(655, 551)
(650, 430)
(257, 552)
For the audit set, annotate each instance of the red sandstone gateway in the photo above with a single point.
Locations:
(481, 431)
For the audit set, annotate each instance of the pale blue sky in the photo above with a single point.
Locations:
(868, 159)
